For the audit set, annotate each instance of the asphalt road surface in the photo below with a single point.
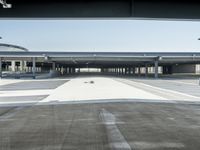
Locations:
(136, 126)
(134, 121)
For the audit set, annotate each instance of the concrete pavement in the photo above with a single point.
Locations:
(106, 114)
(137, 126)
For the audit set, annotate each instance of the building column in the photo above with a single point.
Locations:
(133, 70)
(146, 70)
(33, 67)
(0, 67)
(139, 71)
(13, 66)
(125, 71)
(53, 66)
(74, 70)
(22, 65)
(130, 70)
(122, 71)
(156, 69)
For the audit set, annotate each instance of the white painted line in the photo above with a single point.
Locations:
(7, 81)
(24, 93)
(157, 145)
(17, 102)
(166, 90)
(183, 82)
(115, 137)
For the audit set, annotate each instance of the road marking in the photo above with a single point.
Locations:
(194, 98)
(24, 93)
(157, 145)
(183, 82)
(115, 137)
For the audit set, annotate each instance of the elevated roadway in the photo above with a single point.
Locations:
(107, 60)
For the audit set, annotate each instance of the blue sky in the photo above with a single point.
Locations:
(102, 35)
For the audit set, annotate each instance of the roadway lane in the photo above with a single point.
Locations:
(33, 85)
(105, 126)
(103, 115)
(187, 87)
(27, 91)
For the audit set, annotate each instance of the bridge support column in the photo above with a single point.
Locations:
(73, 70)
(13, 66)
(129, 70)
(54, 66)
(146, 70)
(0, 67)
(33, 67)
(125, 71)
(122, 71)
(22, 65)
(69, 70)
(133, 70)
(139, 71)
(156, 69)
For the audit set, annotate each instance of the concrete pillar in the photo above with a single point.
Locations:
(146, 70)
(33, 67)
(22, 65)
(0, 67)
(129, 70)
(156, 69)
(7, 67)
(139, 71)
(54, 66)
(73, 70)
(13, 66)
(125, 71)
(133, 70)
(122, 71)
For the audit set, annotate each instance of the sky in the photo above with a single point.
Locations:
(102, 35)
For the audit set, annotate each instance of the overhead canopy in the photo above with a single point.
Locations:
(105, 58)
(170, 9)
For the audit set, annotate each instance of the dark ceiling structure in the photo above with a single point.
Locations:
(145, 9)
